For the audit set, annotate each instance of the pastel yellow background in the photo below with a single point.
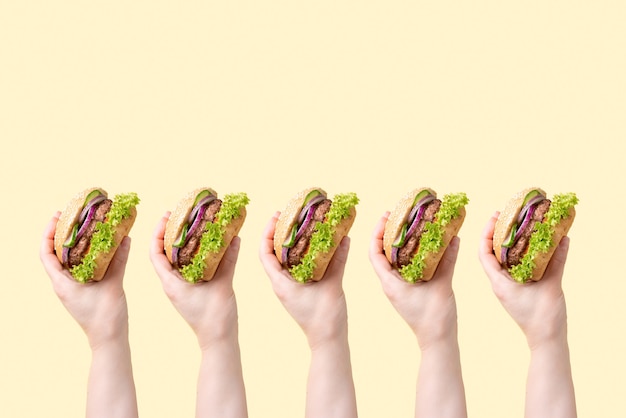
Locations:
(377, 97)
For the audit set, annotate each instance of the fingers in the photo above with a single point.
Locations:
(557, 263)
(337, 264)
(117, 267)
(227, 266)
(445, 269)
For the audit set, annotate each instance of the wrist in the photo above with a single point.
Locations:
(445, 342)
(435, 336)
(550, 336)
(552, 341)
(217, 337)
(109, 336)
(333, 340)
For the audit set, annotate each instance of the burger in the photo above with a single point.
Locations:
(200, 230)
(90, 230)
(309, 230)
(528, 230)
(419, 230)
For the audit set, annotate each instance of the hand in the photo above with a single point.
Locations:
(429, 308)
(318, 307)
(537, 307)
(99, 307)
(209, 307)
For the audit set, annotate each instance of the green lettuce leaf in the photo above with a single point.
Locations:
(541, 239)
(431, 239)
(102, 239)
(322, 238)
(213, 238)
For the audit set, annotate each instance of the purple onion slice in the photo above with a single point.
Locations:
(305, 224)
(194, 212)
(88, 206)
(175, 255)
(420, 214)
(532, 202)
(305, 210)
(394, 255)
(66, 255)
(196, 221)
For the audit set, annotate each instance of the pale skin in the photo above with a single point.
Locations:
(319, 309)
(210, 309)
(429, 308)
(100, 309)
(539, 310)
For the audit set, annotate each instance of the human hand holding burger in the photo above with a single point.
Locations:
(428, 307)
(523, 251)
(422, 293)
(313, 293)
(194, 252)
(535, 300)
(101, 310)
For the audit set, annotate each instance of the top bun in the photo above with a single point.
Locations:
(288, 219)
(178, 219)
(69, 217)
(398, 217)
(508, 217)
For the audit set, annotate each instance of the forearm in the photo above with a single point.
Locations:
(111, 387)
(440, 391)
(549, 388)
(221, 391)
(330, 386)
